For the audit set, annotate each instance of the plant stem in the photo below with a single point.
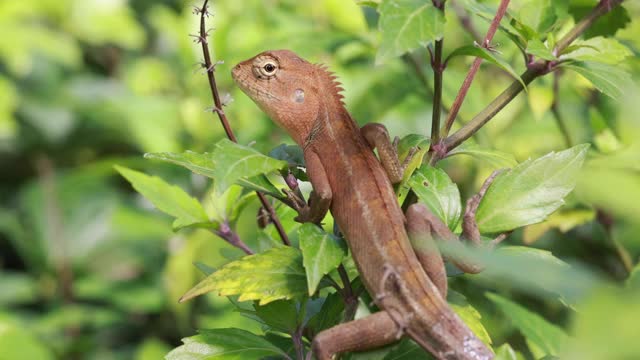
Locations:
(534, 70)
(210, 68)
(438, 69)
(555, 110)
(466, 84)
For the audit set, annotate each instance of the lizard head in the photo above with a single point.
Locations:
(292, 91)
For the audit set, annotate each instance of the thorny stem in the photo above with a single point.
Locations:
(534, 70)
(210, 67)
(555, 110)
(466, 84)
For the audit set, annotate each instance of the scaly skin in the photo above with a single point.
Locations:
(304, 99)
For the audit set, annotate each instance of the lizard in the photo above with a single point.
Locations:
(407, 284)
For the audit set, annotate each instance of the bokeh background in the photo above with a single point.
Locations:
(90, 270)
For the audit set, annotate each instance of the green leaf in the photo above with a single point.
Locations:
(281, 315)
(329, 315)
(597, 49)
(469, 315)
(537, 48)
(472, 50)
(407, 350)
(611, 80)
(321, 253)
(536, 18)
(17, 342)
(531, 191)
(606, 25)
(406, 25)
(436, 190)
(224, 344)
(548, 337)
(497, 159)
(272, 275)
(16, 288)
(167, 198)
(606, 327)
(229, 163)
(506, 352)
(633, 281)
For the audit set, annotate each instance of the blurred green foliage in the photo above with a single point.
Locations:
(89, 269)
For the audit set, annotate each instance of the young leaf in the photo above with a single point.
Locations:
(406, 25)
(497, 159)
(434, 188)
(321, 253)
(598, 49)
(224, 344)
(531, 191)
(548, 337)
(167, 198)
(272, 275)
(611, 80)
(536, 17)
(227, 164)
(472, 50)
(537, 48)
(506, 352)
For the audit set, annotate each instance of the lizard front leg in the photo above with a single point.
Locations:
(320, 198)
(367, 333)
(378, 138)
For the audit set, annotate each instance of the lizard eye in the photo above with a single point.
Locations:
(265, 68)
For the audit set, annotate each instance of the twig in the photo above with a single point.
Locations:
(555, 110)
(438, 69)
(534, 70)
(210, 67)
(466, 84)
(607, 223)
(53, 217)
(230, 236)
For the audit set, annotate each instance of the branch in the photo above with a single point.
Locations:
(466, 84)
(210, 68)
(438, 69)
(555, 110)
(535, 70)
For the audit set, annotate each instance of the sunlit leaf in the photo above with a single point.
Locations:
(229, 163)
(436, 190)
(492, 57)
(497, 159)
(321, 253)
(598, 49)
(17, 342)
(167, 198)
(531, 191)
(224, 344)
(537, 48)
(407, 25)
(272, 275)
(549, 337)
(611, 80)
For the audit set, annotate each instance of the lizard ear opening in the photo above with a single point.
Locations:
(298, 96)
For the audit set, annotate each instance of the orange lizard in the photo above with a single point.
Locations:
(408, 285)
